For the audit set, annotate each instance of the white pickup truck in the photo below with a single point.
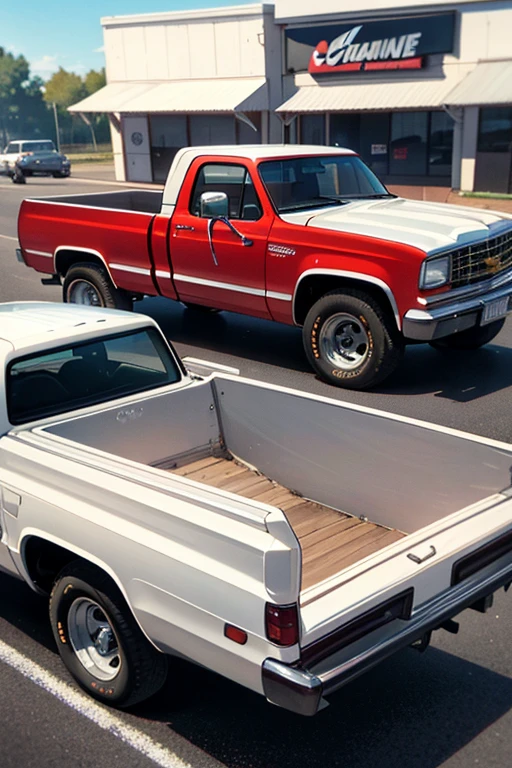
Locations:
(287, 541)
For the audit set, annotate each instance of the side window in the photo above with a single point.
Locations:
(235, 182)
(12, 148)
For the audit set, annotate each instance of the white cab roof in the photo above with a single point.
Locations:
(185, 157)
(28, 324)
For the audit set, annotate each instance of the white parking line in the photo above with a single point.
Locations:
(97, 713)
(8, 237)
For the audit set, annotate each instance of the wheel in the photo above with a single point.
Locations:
(472, 338)
(99, 640)
(351, 341)
(90, 284)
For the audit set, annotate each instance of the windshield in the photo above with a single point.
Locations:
(87, 373)
(309, 182)
(37, 146)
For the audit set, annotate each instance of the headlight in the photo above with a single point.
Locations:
(435, 272)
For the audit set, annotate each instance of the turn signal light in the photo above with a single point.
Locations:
(235, 634)
(282, 624)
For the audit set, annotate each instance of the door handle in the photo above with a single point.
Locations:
(185, 226)
(418, 559)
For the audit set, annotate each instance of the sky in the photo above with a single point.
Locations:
(64, 33)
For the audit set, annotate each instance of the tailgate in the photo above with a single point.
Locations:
(420, 566)
(392, 601)
(117, 238)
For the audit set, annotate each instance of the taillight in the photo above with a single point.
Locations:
(282, 624)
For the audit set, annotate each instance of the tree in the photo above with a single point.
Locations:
(22, 109)
(64, 89)
(94, 80)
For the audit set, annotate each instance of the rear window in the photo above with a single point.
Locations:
(83, 374)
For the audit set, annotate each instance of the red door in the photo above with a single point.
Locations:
(228, 270)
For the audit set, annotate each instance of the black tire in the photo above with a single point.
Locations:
(100, 285)
(142, 669)
(472, 338)
(380, 348)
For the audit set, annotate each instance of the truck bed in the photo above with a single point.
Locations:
(330, 540)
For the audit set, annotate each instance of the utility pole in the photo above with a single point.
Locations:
(55, 115)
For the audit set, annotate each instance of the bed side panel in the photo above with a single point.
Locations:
(396, 473)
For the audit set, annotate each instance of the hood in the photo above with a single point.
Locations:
(427, 226)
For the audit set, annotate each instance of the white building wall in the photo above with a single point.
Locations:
(174, 48)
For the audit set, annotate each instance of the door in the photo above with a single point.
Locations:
(221, 263)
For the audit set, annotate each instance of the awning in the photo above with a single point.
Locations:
(361, 96)
(241, 94)
(489, 83)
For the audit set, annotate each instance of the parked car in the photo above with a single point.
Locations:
(34, 158)
(301, 235)
(173, 508)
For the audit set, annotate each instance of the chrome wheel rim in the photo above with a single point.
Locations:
(83, 292)
(344, 341)
(93, 639)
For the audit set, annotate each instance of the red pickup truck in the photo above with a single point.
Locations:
(297, 234)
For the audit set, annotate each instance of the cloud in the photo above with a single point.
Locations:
(101, 49)
(45, 66)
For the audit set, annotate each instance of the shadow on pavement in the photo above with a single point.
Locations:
(412, 710)
(229, 333)
(454, 375)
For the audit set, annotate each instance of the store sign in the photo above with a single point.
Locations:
(376, 45)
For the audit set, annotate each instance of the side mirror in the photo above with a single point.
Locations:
(213, 204)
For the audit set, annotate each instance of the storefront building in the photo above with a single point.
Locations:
(188, 78)
(422, 91)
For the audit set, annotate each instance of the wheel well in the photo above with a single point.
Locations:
(314, 287)
(44, 560)
(65, 259)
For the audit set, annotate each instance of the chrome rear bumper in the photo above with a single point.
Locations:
(302, 690)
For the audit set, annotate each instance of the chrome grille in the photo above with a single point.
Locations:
(482, 260)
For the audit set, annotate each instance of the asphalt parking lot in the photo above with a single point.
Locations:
(449, 707)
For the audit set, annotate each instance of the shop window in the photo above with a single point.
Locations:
(440, 144)
(408, 146)
(312, 129)
(206, 130)
(374, 141)
(495, 130)
(168, 135)
(235, 181)
(345, 130)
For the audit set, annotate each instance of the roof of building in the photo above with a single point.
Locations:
(490, 83)
(252, 9)
(358, 96)
(235, 94)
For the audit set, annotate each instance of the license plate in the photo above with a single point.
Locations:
(494, 310)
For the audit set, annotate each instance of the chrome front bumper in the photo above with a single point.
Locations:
(302, 690)
(455, 311)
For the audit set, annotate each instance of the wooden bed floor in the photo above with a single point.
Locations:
(330, 540)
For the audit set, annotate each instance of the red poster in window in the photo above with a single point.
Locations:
(400, 153)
